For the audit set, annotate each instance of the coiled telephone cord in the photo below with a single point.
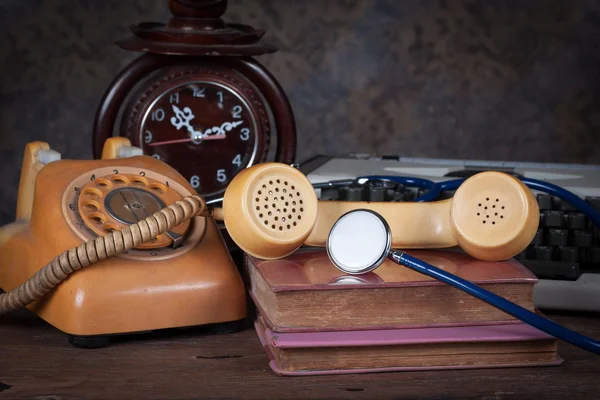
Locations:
(98, 249)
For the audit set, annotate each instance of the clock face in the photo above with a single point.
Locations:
(205, 126)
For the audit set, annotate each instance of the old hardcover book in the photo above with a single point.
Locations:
(487, 346)
(305, 292)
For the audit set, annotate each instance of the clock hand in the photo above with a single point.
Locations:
(219, 130)
(183, 118)
(211, 137)
(226, 126)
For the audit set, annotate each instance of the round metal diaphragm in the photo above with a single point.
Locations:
(359, 242)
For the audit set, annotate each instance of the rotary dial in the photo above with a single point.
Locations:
(114, 201)
(108, 199)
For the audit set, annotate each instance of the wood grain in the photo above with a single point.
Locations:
(36, 362)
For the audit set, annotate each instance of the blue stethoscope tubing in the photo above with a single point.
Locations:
(513, 309)
(435, 189)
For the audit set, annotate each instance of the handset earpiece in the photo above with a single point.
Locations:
(493, 216)
(271, 209)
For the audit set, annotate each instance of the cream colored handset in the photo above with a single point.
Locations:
(270, 210)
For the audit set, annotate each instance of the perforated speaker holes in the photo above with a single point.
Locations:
(490, 210)
(278, 204)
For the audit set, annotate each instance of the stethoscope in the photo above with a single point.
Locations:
(434, 189)
(361, 240)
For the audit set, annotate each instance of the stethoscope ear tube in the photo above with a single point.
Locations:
(508, 307)
(435, 189)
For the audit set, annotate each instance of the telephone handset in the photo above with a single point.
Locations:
(271, 209)
(132, 244)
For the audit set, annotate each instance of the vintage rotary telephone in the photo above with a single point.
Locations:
(126, 271)
(127, 245)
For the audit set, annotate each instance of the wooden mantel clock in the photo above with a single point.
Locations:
(197, 99)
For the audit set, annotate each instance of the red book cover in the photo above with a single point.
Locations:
(310, 271)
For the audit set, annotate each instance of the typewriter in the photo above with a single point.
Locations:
(565, 253)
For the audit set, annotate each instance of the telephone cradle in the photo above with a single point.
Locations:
(182, 278)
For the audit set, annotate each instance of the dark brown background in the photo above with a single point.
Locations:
(501, 80)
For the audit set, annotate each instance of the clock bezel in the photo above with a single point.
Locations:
(113, 100)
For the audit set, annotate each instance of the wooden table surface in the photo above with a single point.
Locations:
(37, 362)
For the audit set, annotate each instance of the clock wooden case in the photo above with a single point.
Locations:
(197, 99)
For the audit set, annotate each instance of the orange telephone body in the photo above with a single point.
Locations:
(181, 279)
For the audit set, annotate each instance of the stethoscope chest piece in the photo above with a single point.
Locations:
(359, 242)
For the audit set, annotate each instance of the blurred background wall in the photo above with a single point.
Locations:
(498, 80)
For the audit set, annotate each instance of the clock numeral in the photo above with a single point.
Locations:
(199, 92)
(195, 181)
(148, 137)
(237, 112)
(156, 156)
(220, 94)
(237, 160)
(221, 177)
(158, 115)
(245, 134)
(174, 98)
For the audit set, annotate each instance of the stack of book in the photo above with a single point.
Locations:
(314, 319)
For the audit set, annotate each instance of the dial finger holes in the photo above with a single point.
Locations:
(119, 180)
(139, 181)
(92, 193)
(97, 218)
(90, 206)
(158, 188)
(109, 228)
(103, 184)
